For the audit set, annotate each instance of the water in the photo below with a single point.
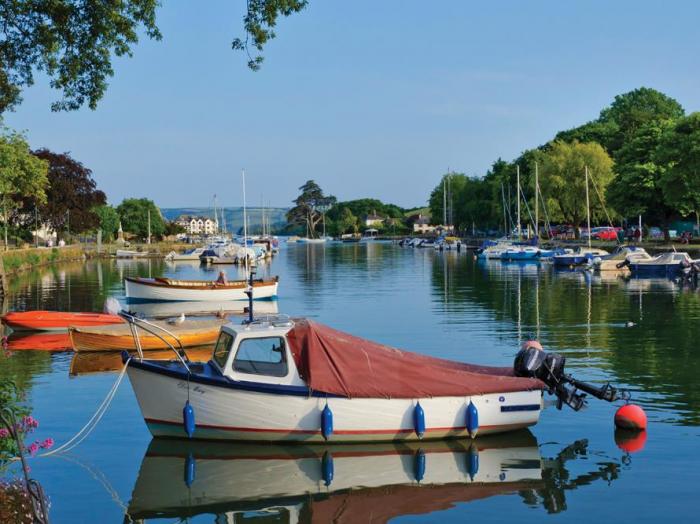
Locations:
(442, 304)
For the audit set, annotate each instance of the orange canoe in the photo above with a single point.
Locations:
(56, 320)
(118, 337)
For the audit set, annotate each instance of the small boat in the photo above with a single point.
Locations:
(169, 289)
(521, 253)
(165, 310)
(39, 342)
(620, 258)
(577, 258)
(667, 264)
(369, 483)
(55, 320)
(189, 333)
(189, 255)
(127, 253)
(307, 240)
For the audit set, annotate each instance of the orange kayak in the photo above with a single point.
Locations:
(56, 320)
(118, 337)
(39, 342)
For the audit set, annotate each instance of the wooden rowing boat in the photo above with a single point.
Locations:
(85, 363)
(56, 320)
(118, 337)
(173, 290)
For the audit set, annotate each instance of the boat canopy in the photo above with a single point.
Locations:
(337, 363)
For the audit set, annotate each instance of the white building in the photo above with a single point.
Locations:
(373, 219)
(198, 225)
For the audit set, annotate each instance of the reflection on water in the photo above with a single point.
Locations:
(638, 333)
(351, 483)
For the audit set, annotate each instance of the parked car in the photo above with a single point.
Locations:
(603, 233)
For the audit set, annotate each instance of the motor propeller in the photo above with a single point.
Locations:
(532, 361)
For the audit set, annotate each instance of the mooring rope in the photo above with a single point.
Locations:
(92, 423)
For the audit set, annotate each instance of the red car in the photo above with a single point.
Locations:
(604, 233)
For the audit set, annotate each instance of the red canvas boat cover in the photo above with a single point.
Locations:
(340, 364)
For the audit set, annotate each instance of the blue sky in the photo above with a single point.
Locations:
(368, 98)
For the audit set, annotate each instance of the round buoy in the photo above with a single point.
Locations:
(631, 417)
(630, 441)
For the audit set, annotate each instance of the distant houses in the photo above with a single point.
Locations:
(198, 225)
(421, 224)
(373, 219)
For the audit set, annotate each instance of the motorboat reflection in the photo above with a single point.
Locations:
(349, 483)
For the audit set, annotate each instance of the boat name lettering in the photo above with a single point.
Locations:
(194, 388)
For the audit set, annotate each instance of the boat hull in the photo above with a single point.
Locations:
(140, 290)
(229, 410)
(56, 320)
(655, 270)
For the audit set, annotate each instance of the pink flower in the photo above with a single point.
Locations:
(47, 443)
(30, 422)
(4, 433)
(33, 448)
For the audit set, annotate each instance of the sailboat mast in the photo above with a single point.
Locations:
(517, 193)
(149, 226)
(588, 210)
(245, 228)
(444, 200)
(537, 203)
(503, 201)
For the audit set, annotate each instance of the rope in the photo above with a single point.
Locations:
(92, 423)
(602, 203)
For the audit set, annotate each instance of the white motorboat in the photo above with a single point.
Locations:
(188, 255)
(128, 253)
(169, 289)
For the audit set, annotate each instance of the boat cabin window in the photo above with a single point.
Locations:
(261, 356)
(222, 348)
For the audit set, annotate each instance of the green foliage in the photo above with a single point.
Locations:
(562, 178)
(679, 150)
(309, 207)
(450, 185)
(259, 21)
(133, 213)
(347, 222)
(108, 221)
(21, 173)
(72, 42)
(173, 228)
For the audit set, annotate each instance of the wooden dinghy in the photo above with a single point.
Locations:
(56, 320)
(173, 290)
(118, 337)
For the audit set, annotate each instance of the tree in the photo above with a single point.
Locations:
(630, 111)
(347, 222)
(134, 214)
(74, 194)
(73, 42)
(562, 179)
(21, 173)
(451, 184)
(637, 186)
(309, 207)
(108, 221)
(679, 150)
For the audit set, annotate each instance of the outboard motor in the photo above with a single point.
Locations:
(533, 362)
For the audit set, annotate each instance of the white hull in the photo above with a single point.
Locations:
(175, 309)
(136, 291)
(252, 414)
(233, 478)
(124, 253)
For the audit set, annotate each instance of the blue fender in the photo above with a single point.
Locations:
(419, 420)
(327, 468)
(326, 422)
(188, 421)
(472, 419)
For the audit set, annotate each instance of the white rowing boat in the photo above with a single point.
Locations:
(169, 289)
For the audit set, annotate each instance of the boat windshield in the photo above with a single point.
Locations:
(261, 356)
(222, 348)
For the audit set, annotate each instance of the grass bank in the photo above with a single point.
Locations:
(18, 260)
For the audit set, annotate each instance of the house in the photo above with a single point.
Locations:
(198, 225)
(373, 219)
(421, 224)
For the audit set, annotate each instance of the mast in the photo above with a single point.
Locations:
(503, 201)
(444, 200)
(517, 193)
(149, 227)
(537, 204)
(245, 229)
(588, 210)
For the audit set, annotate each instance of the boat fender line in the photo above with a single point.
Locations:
(419, 465)
(419, 420)
(472, 461)
(472, 419)
(326, 422)
(327, 468)
(94, 420)
(622, 264)
(190, 470)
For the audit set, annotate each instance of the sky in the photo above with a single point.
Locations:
(368, 98)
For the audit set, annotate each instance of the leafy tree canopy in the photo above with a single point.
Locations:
(562, 178)
(679, 149)
(22, 174)
(451, 184)
(73, 42)
(108, 221)
(309, 207)
(133, 213)
(73, 194)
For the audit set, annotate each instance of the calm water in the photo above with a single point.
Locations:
(444, 304)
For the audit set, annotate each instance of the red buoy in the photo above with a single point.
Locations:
(631, 417)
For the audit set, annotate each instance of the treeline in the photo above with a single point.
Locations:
(43, 190)
(642, 155)
(313, 210)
